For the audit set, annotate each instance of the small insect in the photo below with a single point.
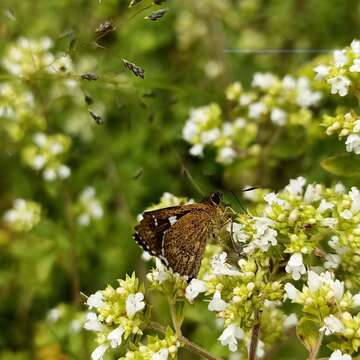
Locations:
(178, 235)
(136, 70)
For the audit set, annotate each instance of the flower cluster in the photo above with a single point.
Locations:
(342, 71)
(116, 314)
(29, 56)
(348, 126)
(281, 102)
(89, 208)
(46, 154)
(23, 216)
(17, 111)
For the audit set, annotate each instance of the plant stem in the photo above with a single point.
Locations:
(176, 324)
(254, 337)
(196, 349)
(314, 352)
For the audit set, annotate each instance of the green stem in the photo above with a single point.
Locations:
(314, 352)
(174, 318)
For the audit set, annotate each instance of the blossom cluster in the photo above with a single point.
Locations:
(46, 154)
(28, 56)
(24, 215)
(18, 111)
(281, 102)
(345, 126)
(342, 71)
(89, 207)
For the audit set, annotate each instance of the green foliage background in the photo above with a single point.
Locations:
(138, 153)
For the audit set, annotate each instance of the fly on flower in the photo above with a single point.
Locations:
(178, 235)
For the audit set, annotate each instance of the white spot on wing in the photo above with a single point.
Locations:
(172, 220)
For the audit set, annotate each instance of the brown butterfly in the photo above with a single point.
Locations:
(178, 234)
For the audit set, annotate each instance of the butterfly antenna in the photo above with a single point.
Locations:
(186, 171)
(239, 202)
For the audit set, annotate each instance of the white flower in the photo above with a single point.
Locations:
(115, 337)
(134, 303)
(356, 300)
(162, 354)
(40, 139)
(295, 266)
(332, 261)
(316, 281)
(312, 193)
(194, 289)
(321, 72)
(353, 143)
(92, 323)
(160, 274)
(217, 304)
(278, 116)
(49, 175)
(226, 155)
(324, 206)
(95, 300)
(337, 355)
(355, 67)
(355, 46)
(272, 199)
(257, 109)
(209, 136)
(99, 352)
(340, 58)
(220, 267)
(339, 188)
(329, 222)
(355, 199)
(346, 214)
(339, 85)
(197, 150)
(264, 80)
(332, 325)
(230, 337)
(356, 127)
(264, 235)
(54, 315)
(64, 171)
(38, 162)
(291, 292)
(84, 219)
(296, 186)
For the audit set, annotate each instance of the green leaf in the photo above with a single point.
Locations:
(342, 165)
(307, 331)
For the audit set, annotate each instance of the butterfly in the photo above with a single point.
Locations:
(177, 235)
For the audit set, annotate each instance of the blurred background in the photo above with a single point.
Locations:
(63, 233)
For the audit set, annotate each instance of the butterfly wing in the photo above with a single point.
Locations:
(184, 242)
(149, 233)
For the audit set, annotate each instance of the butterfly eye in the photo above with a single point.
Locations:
(216, 197)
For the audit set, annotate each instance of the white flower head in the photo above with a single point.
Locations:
(339, 85)
(226, 155)
(115, 337)
(325, 205)
(355, 46)
(355, 67)
(220, 267)
(92, 323)
(230, 337)
(338, 355)
(162, 354)
(95, 300)
(264, 80)
(354, 194)
(295, 266)
(194, 289)
(134, 303)
(291, 292)
(353, 143)
(217, 304)
(278, 116)
(340, 58)
(296, 186)
(197, 150)
(332, 325)
(99, 352)
(321, 72)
